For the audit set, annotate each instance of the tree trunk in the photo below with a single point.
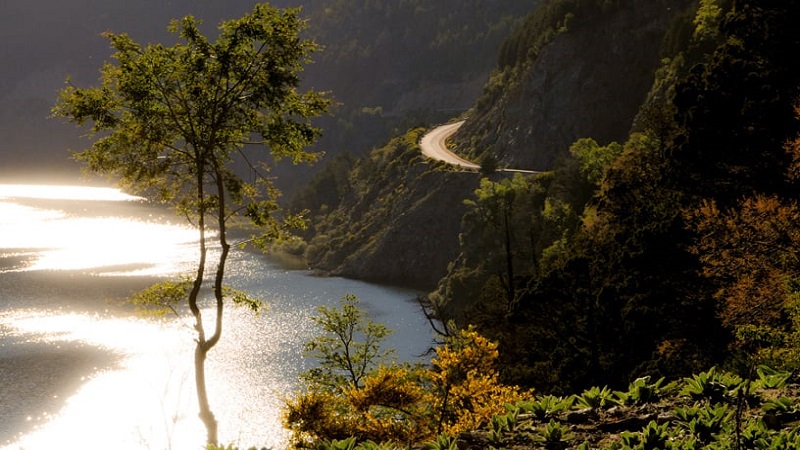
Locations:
(510, 289)
(206, 416)
(202, 346)
(205, 345)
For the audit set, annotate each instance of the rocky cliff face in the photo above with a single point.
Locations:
(589, 81)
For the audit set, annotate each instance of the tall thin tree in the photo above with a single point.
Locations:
(172, 122)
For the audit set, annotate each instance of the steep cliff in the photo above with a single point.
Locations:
(588, 80)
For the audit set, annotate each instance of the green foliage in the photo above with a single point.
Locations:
(769, 378)
(162, 298)
(352, 444)
(596, 398)
(705, 423)
(553, 433)
(514, 229)
(349, 347)
(398, 405)
(545, 407)
(165, 297)
(641, 391)
(780, 405)
(501, 424)
(242, 299)
(652, 437)
(593, 159)
(707, 20)
(752, 432)
(712, 385)
(346, 444)
(442, 442)
(785, 439)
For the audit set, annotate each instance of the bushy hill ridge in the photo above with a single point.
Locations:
(676, 260)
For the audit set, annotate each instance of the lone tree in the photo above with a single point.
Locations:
(171, 123)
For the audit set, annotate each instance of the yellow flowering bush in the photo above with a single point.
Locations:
(404, 405)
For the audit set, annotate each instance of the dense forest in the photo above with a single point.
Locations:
(662, 254)
(667, 253)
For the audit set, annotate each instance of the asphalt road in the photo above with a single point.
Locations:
(434, 145)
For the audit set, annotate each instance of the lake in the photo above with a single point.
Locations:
(78, 369)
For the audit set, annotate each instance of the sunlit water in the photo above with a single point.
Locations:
(140, 395)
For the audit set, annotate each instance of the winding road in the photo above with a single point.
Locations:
(434, 145)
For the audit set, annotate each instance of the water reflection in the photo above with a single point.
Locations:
(127, 405)
(64, 192)
(66, 239)
(110, 380)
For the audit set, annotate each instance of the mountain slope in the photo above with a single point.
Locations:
(504, 107)
(589, 71)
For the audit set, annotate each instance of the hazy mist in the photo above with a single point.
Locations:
(45, 41)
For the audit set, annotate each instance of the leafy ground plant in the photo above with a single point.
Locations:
(554, 435)
(712, 385)
(652, 437)
(546, 406)
(595, 398)
(641, 391)
(682, 416)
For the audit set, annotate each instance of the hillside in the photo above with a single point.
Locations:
(662, 254)
(569, 73)
(397, 217)
(402, 258)
(668, 257)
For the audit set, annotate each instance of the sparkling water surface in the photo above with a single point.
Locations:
(77, 370)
